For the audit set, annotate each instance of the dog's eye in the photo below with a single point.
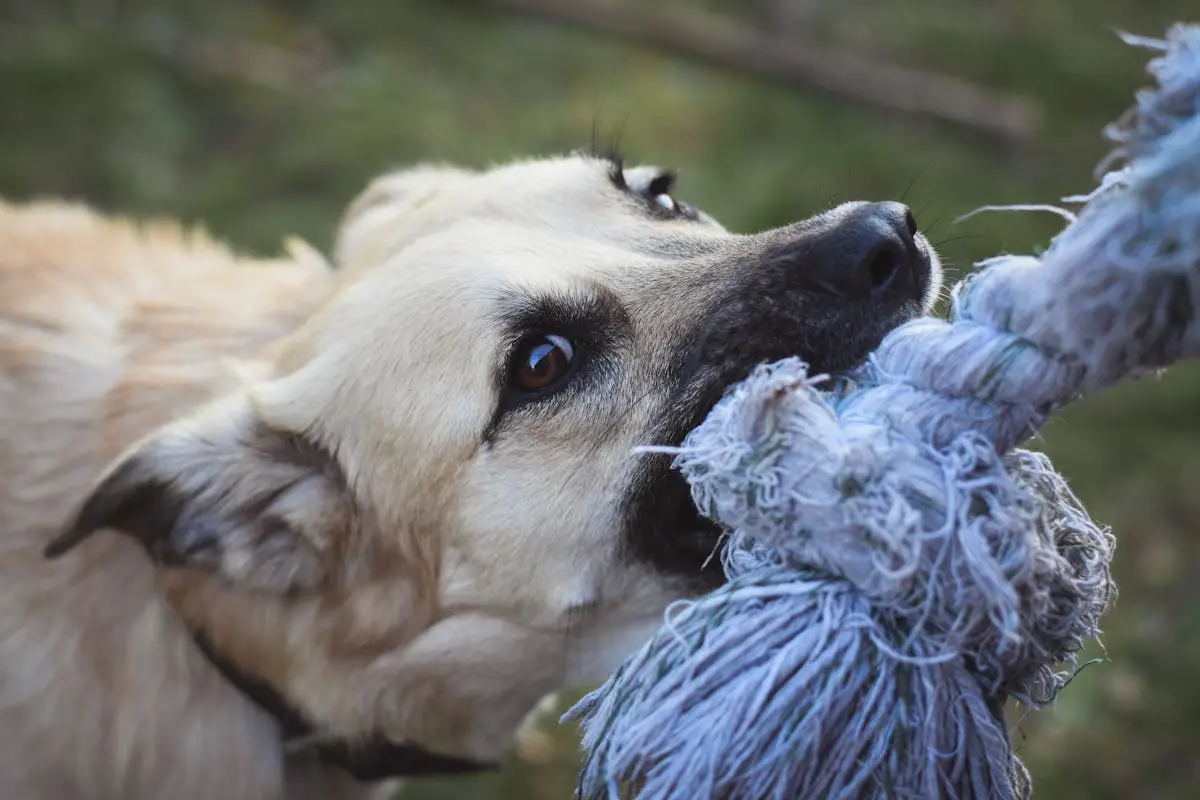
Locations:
(542, 361)
(659, 191)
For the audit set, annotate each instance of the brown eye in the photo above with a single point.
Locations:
(542, 361)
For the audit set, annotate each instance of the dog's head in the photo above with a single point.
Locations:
(427, 511)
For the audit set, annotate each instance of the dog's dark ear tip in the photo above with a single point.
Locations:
(129, 500)
(61, 544)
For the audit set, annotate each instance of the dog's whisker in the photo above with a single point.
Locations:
(920, 173)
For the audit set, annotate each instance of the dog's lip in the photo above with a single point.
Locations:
(707, 534)
(707, 537)
(694, 531)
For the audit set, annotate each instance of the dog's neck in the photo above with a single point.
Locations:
(370, 759)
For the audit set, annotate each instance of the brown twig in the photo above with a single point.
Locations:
(794, 61)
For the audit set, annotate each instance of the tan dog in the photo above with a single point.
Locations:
(398, 496)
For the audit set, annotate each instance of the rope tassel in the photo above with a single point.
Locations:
(898, 567)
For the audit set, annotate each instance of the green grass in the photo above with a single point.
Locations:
(96, 105)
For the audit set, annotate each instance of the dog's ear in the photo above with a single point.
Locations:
(387, 212)
(226, 492)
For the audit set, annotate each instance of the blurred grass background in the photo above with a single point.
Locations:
(262, 118)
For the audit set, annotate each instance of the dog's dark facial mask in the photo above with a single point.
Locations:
(827, 290)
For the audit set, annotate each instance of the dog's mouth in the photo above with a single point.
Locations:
(666, 527)
(751, 328)
(668, 530)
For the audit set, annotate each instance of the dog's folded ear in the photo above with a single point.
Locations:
(226, 492)
(384, 214)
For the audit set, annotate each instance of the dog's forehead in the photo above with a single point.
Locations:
(574, 174)
(485, 252)
(585, 199)
(581, 198)
(556, 190)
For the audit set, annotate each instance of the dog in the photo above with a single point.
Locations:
(293, 528)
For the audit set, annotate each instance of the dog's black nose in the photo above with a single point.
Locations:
(869, 252)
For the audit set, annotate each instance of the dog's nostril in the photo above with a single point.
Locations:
(882, 265)
(870, 251)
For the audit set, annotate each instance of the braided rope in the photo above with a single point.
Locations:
(897, 567)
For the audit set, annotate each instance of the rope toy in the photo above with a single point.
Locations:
(897, 567)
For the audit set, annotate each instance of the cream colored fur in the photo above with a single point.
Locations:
(423, 582)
